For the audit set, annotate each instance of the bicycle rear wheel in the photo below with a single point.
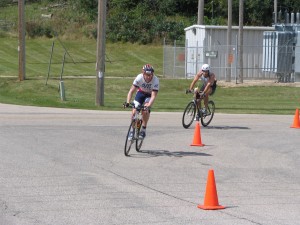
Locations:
(128, 143)
(207, 118)
(139, 142)
(189, 115)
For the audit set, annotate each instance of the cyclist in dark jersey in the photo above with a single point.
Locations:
(209, 84)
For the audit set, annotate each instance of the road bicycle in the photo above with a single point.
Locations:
(193, 111)
(134, 127)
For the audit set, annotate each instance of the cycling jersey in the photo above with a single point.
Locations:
(205, 79)
(145, 87)
(204, 83)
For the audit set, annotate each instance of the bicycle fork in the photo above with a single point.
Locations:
(136, 126)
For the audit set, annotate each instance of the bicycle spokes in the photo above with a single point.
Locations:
(207, 117)
(134, 129)
(130, 138)
(189, 115)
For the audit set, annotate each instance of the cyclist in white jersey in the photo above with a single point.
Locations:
(146, 85)
(209, 84)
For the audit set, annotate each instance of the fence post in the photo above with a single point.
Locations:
(61, 82)
(50, 62)
(174, 58)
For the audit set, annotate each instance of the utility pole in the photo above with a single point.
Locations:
(100, 64)
(275, 12)
(229, 34)
(200, 12)
(21, 46)
(240, 44)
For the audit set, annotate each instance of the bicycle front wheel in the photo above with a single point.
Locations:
(189, 115)
(207, 118)
(139, 142)
(129, 141)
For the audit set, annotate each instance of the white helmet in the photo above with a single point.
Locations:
(205, 67)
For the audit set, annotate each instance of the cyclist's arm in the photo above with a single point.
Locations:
(196, 78)
(130, 93)
(152, 99)
(209, 83)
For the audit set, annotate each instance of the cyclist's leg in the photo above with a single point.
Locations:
(199, 100)
(132, 113)
(213, 88)
(138, 101)
(146, 114)
(206, 98)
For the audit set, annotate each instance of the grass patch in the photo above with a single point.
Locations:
(80, 94)
(122, 60)
(123, 63)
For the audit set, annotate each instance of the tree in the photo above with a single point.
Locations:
(147, 20)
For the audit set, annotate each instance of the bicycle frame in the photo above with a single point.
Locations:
(193, 109)
(137, 121)
(134, 127)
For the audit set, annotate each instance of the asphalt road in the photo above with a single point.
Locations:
(63, 166)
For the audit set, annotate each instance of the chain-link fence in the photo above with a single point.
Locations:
(174, 62)
(258, 64)
(6, 25)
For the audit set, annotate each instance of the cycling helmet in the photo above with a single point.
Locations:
(205, 67)
(148, 69)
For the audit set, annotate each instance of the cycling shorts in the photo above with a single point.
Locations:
(141, 98)
(213, 88)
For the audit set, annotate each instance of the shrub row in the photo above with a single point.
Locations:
(38, 29)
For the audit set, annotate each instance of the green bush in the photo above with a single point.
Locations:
(133, 26)
(135, 21)
(88, 7)
(36, 29)
(2, 34)
(4, 3)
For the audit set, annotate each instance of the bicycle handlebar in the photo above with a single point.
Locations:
(139, 108)
(187, 91)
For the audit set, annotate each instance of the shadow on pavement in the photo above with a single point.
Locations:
(226, 127)
(156, 153)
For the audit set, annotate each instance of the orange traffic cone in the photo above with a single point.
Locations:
(211, 196)
(296, 123)
(197, 136)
